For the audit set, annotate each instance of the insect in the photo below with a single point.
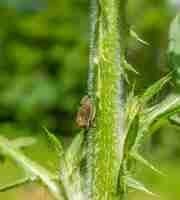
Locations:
(86, 114)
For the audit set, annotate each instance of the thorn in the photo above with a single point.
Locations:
(134, 35)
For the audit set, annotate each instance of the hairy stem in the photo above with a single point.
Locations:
(106, 88)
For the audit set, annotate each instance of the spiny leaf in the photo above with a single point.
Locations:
(129, 67)
(174, 50)
(139, 158)
(31, 167)
(131, 120)
(132, 183)
(125, 75)
(132, 108)
(156, 114)
(70, 163)
(75, 151)
(175, 119)
(168, 107)
(14, 184)
(70, 168)
(23, 142)
(135, 35)
(132, 105)
(55, 142)
(131, 129)
(154, 89)
(131, 94)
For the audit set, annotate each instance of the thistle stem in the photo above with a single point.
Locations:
(106, 86)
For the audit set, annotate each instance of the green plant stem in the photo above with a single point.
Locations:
(106, 88)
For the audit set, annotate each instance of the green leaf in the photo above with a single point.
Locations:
(14, 184)
(75, 152)
(135, 36)
(55, 142)
(168, 107)
(174, 50)
(23, 142)
(156, 114)
(154, 89)
(132, 107)
(129, 67)
(139, 158)
(70, 168)
(175, 119)
(132, 130)
(132, 183)
(32, 168)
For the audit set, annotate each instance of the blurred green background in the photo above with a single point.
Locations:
(44, 48)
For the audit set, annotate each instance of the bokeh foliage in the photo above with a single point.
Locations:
(44, 56)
